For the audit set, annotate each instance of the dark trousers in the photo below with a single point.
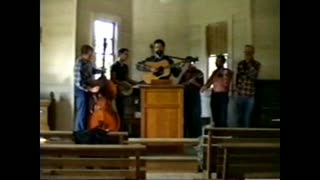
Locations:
(219, 108)
(192, 113)
(82, 109)
(120, 104)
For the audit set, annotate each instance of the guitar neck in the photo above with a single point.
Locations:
(147, 67)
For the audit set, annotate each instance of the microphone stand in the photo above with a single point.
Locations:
(103, 55)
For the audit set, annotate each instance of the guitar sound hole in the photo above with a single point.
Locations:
(159, 72)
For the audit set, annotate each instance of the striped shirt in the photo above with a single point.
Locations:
(246, 77)
(83, 74)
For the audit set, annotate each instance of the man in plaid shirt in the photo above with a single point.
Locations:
(83, 76)
(247, 73)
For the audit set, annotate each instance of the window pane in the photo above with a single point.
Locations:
(98, 60)
(212, 64)
(109, 46)
(103, 29)
(109, 60)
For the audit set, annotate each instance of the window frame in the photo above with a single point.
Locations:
(109, 18)
(113, 42)
(113, 39)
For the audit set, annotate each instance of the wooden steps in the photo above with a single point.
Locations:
(164, 141)
(261, 175)
(169, 154)
(161, 155)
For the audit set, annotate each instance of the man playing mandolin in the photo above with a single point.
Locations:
(192, 79)
(120, 76)
(158, 65)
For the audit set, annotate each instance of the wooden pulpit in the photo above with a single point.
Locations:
(162, 111)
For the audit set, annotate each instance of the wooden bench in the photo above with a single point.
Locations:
(66, 137)
(74, 161)
(237, 152)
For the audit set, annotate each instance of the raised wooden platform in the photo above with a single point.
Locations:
(161, 155)
(168, 154)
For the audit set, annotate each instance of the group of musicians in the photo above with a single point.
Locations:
(192, 79)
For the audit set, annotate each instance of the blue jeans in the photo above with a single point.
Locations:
(245, 107)
(219, 108)
(82, 109)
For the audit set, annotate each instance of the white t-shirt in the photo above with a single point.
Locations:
(205, 103)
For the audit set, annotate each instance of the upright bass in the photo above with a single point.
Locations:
(104, 114)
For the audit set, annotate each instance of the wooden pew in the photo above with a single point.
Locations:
(66, 137)
(239, 152)
(74, 161)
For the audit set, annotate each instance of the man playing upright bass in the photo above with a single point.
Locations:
(83, 76)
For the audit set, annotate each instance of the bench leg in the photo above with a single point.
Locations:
(224, 166)
(137, 165)
(209, 155)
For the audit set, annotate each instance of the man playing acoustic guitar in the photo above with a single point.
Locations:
(157, 65)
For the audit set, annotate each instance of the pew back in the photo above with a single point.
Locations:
(74, 161)
(234, 152)
(66, 137)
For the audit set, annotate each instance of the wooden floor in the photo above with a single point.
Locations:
(169, 176)
(182, 176)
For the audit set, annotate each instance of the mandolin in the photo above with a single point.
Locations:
(188, 83)
(125, 88)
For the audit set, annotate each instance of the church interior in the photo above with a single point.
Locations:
(158, 126)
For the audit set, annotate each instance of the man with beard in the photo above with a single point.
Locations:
(159, 55)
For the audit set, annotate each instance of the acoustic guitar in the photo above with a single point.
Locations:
(163, 69)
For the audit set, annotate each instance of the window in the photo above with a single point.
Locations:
(212, 63)
(104, 29)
